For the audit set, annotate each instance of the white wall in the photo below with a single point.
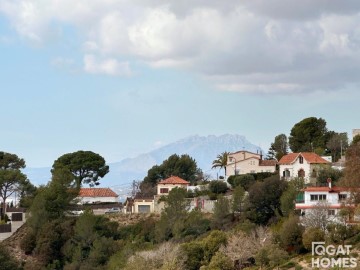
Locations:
(295, 167)
(168, 186)
(84, 200)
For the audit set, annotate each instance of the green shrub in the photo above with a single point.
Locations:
(218, 187)
(245, 180)
(28, 242)
(200, 252)
(312, 235)
(220, 261)
(6, 261)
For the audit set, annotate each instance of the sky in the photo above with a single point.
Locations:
(123, 77)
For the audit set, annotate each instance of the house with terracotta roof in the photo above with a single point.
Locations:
(328, 199)
(305, 165)
(164, 186)
(97, 195)
(243, 162)
(150, 204)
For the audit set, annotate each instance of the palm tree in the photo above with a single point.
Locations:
(221, 161)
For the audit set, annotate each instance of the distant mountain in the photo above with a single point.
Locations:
(203, 149)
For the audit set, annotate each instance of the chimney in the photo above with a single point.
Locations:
(261, 156)
(329, 182)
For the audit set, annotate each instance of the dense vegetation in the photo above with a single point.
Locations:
(256, 226)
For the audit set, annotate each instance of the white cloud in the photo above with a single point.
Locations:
(280, 46)
(107, 66)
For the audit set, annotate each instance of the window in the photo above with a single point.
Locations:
(331, 212)
(230, 159)
(318, 197)
(286, 173)
(301, 173)
(144, 208)
(237, 171)
(342, 197)
(252, 171)
(164, 190)
(301, 160)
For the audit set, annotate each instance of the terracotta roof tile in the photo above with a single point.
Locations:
(174, 180)
(267, 162)
(97, 192)
(308, 156)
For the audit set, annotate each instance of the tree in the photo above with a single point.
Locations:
(200, 252)
(221, 212)
(27, 192)
(86, 166)
(244, 180)
(291, 234)
(279, 147)
(174, 215)
(237, 199)
(92, 244)
(327, 172)
(219, 261)
(11, 178)
(318, 217)
(242, 246)
(182, 166)
(218, 187)
(52, 201)
(337, 144)
(221, 161)
(311, 235)
(264, 199)
(288, 197)
(309, 135)
(356, 139)
(351, 177)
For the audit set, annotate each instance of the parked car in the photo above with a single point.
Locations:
(113, 210)
(76, 212)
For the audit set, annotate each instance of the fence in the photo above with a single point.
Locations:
(4, 228)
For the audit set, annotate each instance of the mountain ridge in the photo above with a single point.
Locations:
(204, 149)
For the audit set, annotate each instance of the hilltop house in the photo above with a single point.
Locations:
(164, 186)
(97, 195)
(150, 204)
(305, 165)
(243, 162)
(327, 201)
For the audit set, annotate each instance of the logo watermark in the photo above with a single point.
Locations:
(335, 256)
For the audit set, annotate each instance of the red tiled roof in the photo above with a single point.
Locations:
(267, 162)
(174, 180)
(308, 156)
(326, 189)
(97, 192)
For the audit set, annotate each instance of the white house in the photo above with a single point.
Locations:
(164, 186)
(150, 204)
(305, 165)
(330, 199)
(97, 195)
(243, 162)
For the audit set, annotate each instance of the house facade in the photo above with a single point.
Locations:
(97, 195)
(143, 204)
(305, 165)
(164, 186)
(151, 204)
(243, 162)
(328, 199)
